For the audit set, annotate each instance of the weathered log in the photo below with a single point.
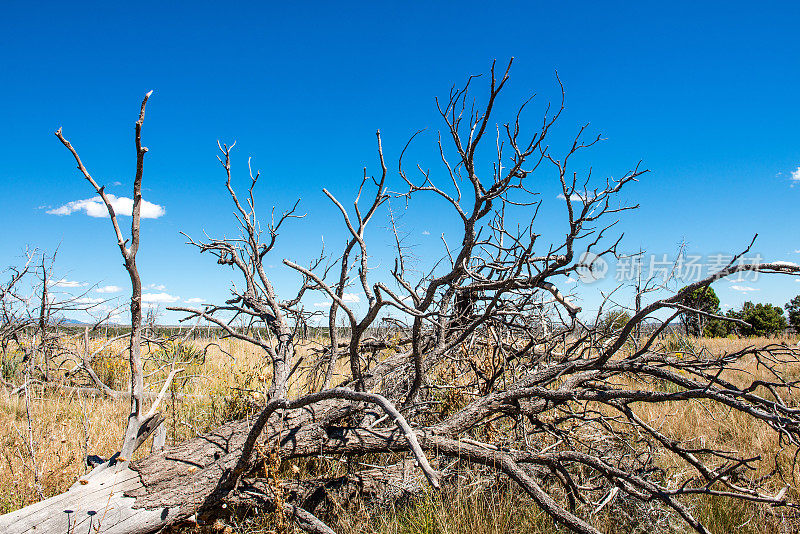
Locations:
(99, 505)
(174, 484)
(143, 497)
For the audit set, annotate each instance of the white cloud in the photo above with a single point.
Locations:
(67, 283)
(744, 289)
(425, 232)
(796, 174)
(157, 287)
(194, 300)
(159, 298)
(94, 207)
(574, 197)
(346, 297)
(570, 280)
(108, 289)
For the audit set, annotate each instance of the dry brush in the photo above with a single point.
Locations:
(483, 358)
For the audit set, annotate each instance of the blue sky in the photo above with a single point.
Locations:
(705, 94)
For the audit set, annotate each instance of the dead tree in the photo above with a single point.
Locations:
(32, 315)
(15, 313)
(140, 424)
(555, 410)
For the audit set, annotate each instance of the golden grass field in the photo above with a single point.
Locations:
(65, 426)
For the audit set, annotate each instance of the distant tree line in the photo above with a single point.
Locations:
(752, 319)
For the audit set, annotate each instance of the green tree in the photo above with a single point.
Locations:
(614, 320)
(703, 299)
(717, 328)
(764, 319)
(793, 309)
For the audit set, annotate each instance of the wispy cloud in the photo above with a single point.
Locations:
(744, 289)
(159, 298)
(157, 287)
(67, 283)
(94, 207)
(108, 289)
(90, 300)
(194, 300)
(425, 232)
(796, 174)
(322, 304)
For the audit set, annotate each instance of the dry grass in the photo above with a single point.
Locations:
(711, 424)
(231, 380)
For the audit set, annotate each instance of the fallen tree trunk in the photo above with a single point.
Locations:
(145, 496)
(183, 482)
(176, 484)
